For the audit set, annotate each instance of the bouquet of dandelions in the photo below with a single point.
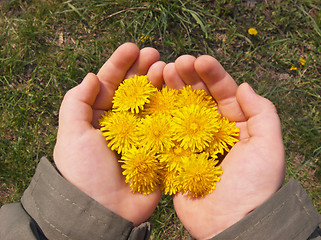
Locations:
(167, 138)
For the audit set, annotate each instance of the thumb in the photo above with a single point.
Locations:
(76, 112)
(264, 128)
(261, 114)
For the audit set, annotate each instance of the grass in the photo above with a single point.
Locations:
(47, 47)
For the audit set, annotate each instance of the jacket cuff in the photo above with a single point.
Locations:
(288, 214)
(62, 211)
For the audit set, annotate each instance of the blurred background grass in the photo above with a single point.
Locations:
(47, 47)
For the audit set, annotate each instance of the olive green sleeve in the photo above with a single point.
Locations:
(288, 214)
(53, 208)
(15, 223)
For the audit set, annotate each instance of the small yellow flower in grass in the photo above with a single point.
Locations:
(132, 94)
(225, 138)
(199, 175)
(302, 61)
(293, 68)
(143, 38)
(189, 96)
(120, 130)
(141, 169)
(155, 132)
(252, 31)
(162, 102)
(194, 127)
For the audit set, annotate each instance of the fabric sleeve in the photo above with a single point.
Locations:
(288, 214)
(17, 224)
(56, 209)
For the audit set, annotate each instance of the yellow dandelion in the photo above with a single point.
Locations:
(173, 158)
(167, 138)
(302, 61)
(120, 130)
(293, 68)
(162, 102)
(141, 169)
(170, 183)
(225, 138)
(189, 96)
(200, 175)
(144, 38)
(132, 94)
(194, 127)
(155, 132)
(252, 31)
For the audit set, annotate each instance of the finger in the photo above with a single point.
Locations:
(155, 74)
(221, 86)
(113, 72)
(76, 113)
(263, 120)
(185, 68)
(147, 57)
(172, 78)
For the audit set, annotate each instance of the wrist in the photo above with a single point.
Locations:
(215, 226)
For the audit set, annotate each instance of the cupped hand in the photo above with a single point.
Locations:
(254, 168)
(81, 153)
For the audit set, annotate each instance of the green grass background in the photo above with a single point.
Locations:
(47, 47)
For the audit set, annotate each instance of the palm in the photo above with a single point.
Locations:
(252, 170)
(81, 153)
(94, 169)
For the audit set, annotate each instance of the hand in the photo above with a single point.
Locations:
(254, 168)
(81, 153)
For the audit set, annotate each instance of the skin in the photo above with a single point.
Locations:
(254, 168)
(81, 153)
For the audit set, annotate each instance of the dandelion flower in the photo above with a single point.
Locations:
(120, 130)
(143, 38)
(132, 94)
(155, 132)
(225, 137)
(141, 169)
(162, 102)
(189, 96)
(170, 183)
(302, 61)
(174, 157)
(200, 175)
(252, 31)
(194, 127)
(293, 68)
